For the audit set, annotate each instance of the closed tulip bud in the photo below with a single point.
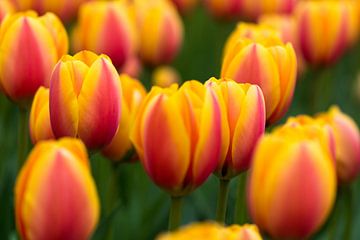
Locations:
(40, 126)
(347, 143)
(6, 7)
(65, 9)
(165, 76)
(106, 27)
(300, 185)
(225, 9)
(181, 135)
(24, 68)
(255, 54)
(185, 6)
(85, 99)
(133, 95)
(213, 231)
(326, 29)
(132, 67)
(160, 31)
(55, 195)
(245, 109)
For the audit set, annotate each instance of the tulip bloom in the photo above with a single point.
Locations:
(185, 6)
(347, 143)
(165, 76)
(245, 108)
(213, 231)
(300, 185)
(40, 126)
(255, 54)
(106, 27)
(133, 95)
(326, 29)
(6, 7)
(160, 31)
(55, 195)
(65, 9)
(181, 135)
(85, 99)
(24, 68)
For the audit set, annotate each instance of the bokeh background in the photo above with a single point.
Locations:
(136, 208)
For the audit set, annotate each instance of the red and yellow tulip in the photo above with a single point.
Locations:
(55, 195)
(181, 135)
(106, 27)
(300, 182)
(255, 54)
(347, 143)
(185, 6)
(39, 124)
(133, 95)
(6, 7)
(326, 29)
(245, 109)
(85, 99)
(24, 68)
(160, 31)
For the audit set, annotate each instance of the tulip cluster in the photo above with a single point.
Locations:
(55, 195)
(213, 231)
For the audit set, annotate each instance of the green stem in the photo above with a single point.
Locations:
(22, 136)
(240, 205)
(349, 203)
(222, 200)
(175, 213)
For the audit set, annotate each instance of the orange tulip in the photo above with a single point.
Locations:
(106, 27)
(40, 126)
(55, 195)
(185, 6)
(85, 99)
(133, 95)
(24, 68)
(165, 76)
(255, 54)
(181, 135)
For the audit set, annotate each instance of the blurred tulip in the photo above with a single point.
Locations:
(85, 99)
(165, 76)
(55, 195)
(245, 108)
(300, 185)
(106, 27)
(65, 9)
(213, 231)
(160, 31)
(6, 7)
(255, 54)
(347, 143)
(185, 6)
(132, 67)
(286, 25)
(248, 8)
(181, 135)
(326, 29)
(24, 68)
(133, 95)
(40, 126)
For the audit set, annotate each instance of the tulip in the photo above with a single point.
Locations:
(165, 76)
(55, 195)
(24, 68)
(181, 136)
(300, 185)
(65, 9)
(6, 7)
(213, 231)
(85, 99)
(160, 31)
(326, 29)
(133, 95)
(39, 125)
(106, 27)
(185, 6)
(132, 67)
(255, 54)
(347, 143)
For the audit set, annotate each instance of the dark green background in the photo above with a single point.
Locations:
(141, 210)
